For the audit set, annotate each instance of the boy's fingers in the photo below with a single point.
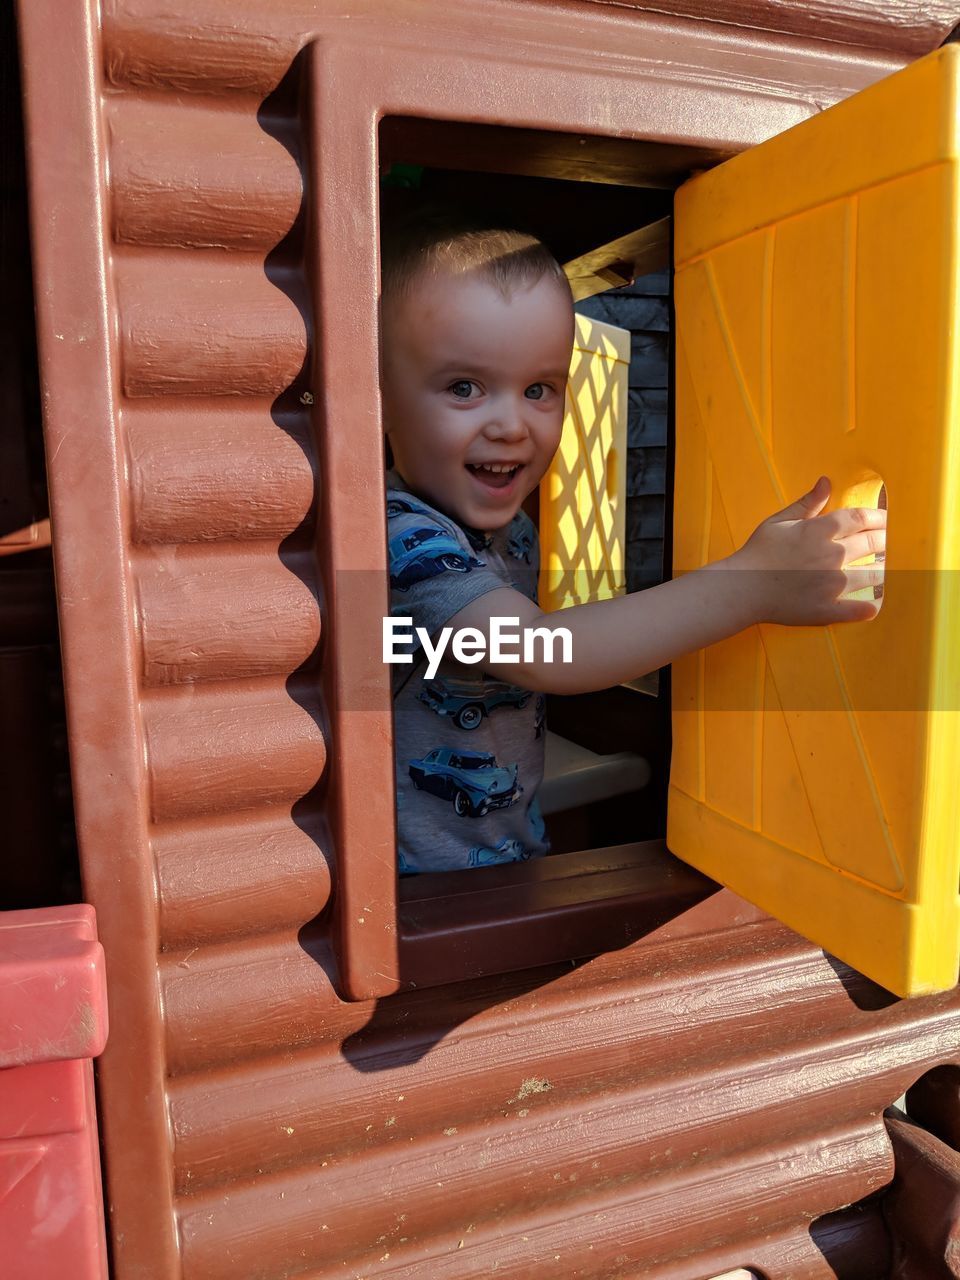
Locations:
(848, 520)
(868, 576)
(855, 610)
(810, 504)
(869, 542)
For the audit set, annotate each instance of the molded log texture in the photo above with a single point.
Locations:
(704, 1098)
(923, 1208)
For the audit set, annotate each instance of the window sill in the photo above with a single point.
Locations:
(458, 925)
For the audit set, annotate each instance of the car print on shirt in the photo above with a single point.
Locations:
(404, 506)
(505, 850)
(423, 552)
(473, 780)
(537, 824)
(467, 702)
(520, 545)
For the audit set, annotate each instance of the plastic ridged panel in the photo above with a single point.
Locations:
(583, 494)
(53, 1023)
(813, 767)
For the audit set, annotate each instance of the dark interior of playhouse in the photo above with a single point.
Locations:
(604, 207)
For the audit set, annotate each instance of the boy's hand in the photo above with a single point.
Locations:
(797, 562)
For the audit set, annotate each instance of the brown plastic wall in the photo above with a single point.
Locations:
(708, 1092)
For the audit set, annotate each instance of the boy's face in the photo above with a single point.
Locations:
(473, 390)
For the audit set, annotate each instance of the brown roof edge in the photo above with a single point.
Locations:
(911, 27)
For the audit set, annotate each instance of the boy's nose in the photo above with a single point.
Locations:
(507, 425)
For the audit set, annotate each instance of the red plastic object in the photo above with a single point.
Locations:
(53, 1023)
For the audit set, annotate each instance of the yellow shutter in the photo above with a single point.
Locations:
(583, 494)
(816, 771)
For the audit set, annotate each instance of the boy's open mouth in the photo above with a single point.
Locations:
(495, 475)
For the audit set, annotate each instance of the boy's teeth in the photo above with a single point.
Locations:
(496, 468)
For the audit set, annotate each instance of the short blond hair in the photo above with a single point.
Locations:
(433, 241)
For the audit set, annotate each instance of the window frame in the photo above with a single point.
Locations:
(388, 938)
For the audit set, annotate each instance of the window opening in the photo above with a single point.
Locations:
(614, 743)
(870, 492)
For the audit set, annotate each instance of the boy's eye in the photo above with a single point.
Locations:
(462, 388)
(536, 391)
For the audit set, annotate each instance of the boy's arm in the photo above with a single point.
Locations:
(791, 570)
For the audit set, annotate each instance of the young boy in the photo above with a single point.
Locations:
(477, 329)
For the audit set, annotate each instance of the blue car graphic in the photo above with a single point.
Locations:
(520, 545)
(401, 506)
(537, 824)
(471, 779)
(505, 850)
(468, 702)
(424, 552)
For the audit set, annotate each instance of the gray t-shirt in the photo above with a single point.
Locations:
(469, 749)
